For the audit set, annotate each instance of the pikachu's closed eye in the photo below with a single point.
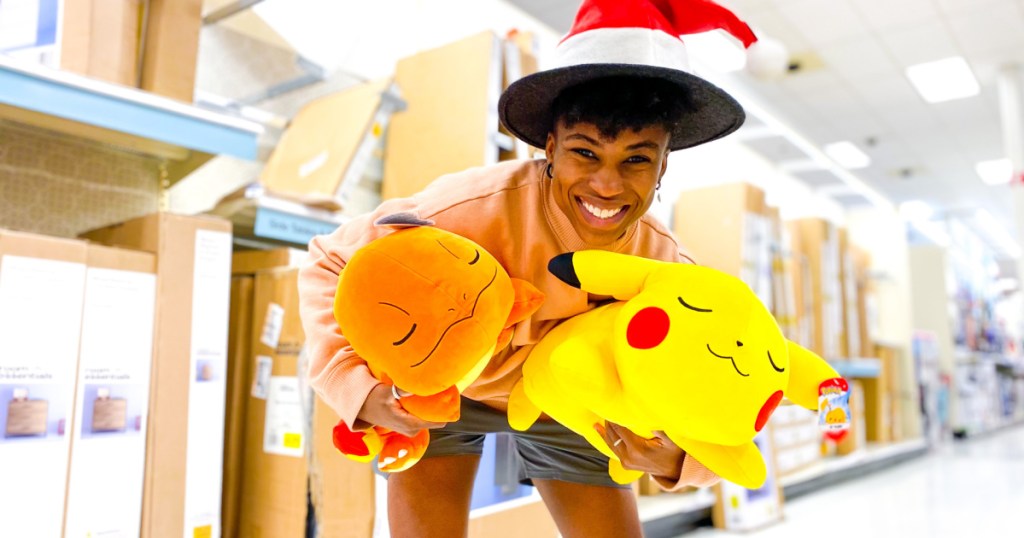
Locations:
(687, 350)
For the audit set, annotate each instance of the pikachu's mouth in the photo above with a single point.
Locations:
(731, 359)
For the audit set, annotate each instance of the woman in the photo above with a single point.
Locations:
(607, 121)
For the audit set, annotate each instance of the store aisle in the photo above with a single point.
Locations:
(967, 489)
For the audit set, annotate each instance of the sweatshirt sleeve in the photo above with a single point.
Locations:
(335, 372)
(693, 473)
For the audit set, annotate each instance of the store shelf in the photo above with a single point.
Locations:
(831, 471)
(670, 515)
(138, 121)
(263, 220)
(858, 368)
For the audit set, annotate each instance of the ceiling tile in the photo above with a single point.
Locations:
(924, 42)
(986, 64)
(956, 6)
(858, 58)
(856, 127)
(996, 26)
(885, 14)
(824, 22)
(833, 102)
(961, 113)
(888, 91)
(818, 178)
(769, 22)
(802, 82)
(776, 149)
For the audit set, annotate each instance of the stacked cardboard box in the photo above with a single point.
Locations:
(108, 447)
(278, 449)
(797, 438)
(451, 122)
(42, 289)
(182, 489)
(818, 244)
(152, 44)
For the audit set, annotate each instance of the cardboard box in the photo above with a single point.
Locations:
(108, 435)
(42, 287)
(862, 264)
(244, 266)
(325, 145)
(185, 438)
(95, 38)
(274, 470)
(451, 118)
(715, 224)
(335, 481)
(170, 48)
(239, 357)
(819, 245)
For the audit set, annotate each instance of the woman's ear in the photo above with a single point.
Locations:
(549, 147)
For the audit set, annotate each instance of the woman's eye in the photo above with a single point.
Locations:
(585, 152)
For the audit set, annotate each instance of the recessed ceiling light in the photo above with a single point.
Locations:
(847, 155)
(995, 172)
(944, 80)
(717, 49)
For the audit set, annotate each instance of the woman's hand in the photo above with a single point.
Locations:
(381, 408)
(659, 456)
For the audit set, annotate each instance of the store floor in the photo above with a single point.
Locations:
(973, 489)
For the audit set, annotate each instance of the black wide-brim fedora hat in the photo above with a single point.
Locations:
(631, 38)
(525, 108)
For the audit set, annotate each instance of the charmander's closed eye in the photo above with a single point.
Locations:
(476, 258)
(406, 337)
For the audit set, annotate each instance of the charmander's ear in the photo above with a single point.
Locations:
(402, 220)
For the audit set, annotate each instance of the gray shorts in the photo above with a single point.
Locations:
(547, 451)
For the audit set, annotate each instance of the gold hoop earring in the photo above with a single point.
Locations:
(657, 191)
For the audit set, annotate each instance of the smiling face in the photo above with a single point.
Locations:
(728, 363)
(423, 306)
(604, 185)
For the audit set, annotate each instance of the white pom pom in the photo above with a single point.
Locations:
(767, 59)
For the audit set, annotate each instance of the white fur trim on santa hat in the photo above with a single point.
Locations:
(640, 46)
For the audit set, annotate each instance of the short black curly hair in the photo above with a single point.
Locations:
(614, 104)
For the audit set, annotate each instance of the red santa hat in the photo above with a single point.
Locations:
(632, 38)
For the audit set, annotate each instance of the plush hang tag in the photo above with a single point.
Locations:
(834, 408)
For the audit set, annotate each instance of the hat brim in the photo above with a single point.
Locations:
(525, 107)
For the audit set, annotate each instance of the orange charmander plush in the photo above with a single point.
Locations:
(426, 309)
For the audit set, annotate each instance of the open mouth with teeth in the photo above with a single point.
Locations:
(601, 216)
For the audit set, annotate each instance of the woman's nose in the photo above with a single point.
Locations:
(607, 183)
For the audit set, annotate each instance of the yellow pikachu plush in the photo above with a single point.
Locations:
(686, 349)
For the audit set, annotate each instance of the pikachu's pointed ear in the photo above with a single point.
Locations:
(806, 372)
(604, 273)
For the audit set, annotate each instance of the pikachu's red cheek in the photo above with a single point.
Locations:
(648, 328)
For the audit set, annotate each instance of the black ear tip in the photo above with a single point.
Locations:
(561, 266)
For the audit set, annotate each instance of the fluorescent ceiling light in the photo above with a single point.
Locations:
(717, 49)
(944, 80)
(995, 172)
(847, 155)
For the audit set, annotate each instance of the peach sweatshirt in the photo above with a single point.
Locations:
(509, 210)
